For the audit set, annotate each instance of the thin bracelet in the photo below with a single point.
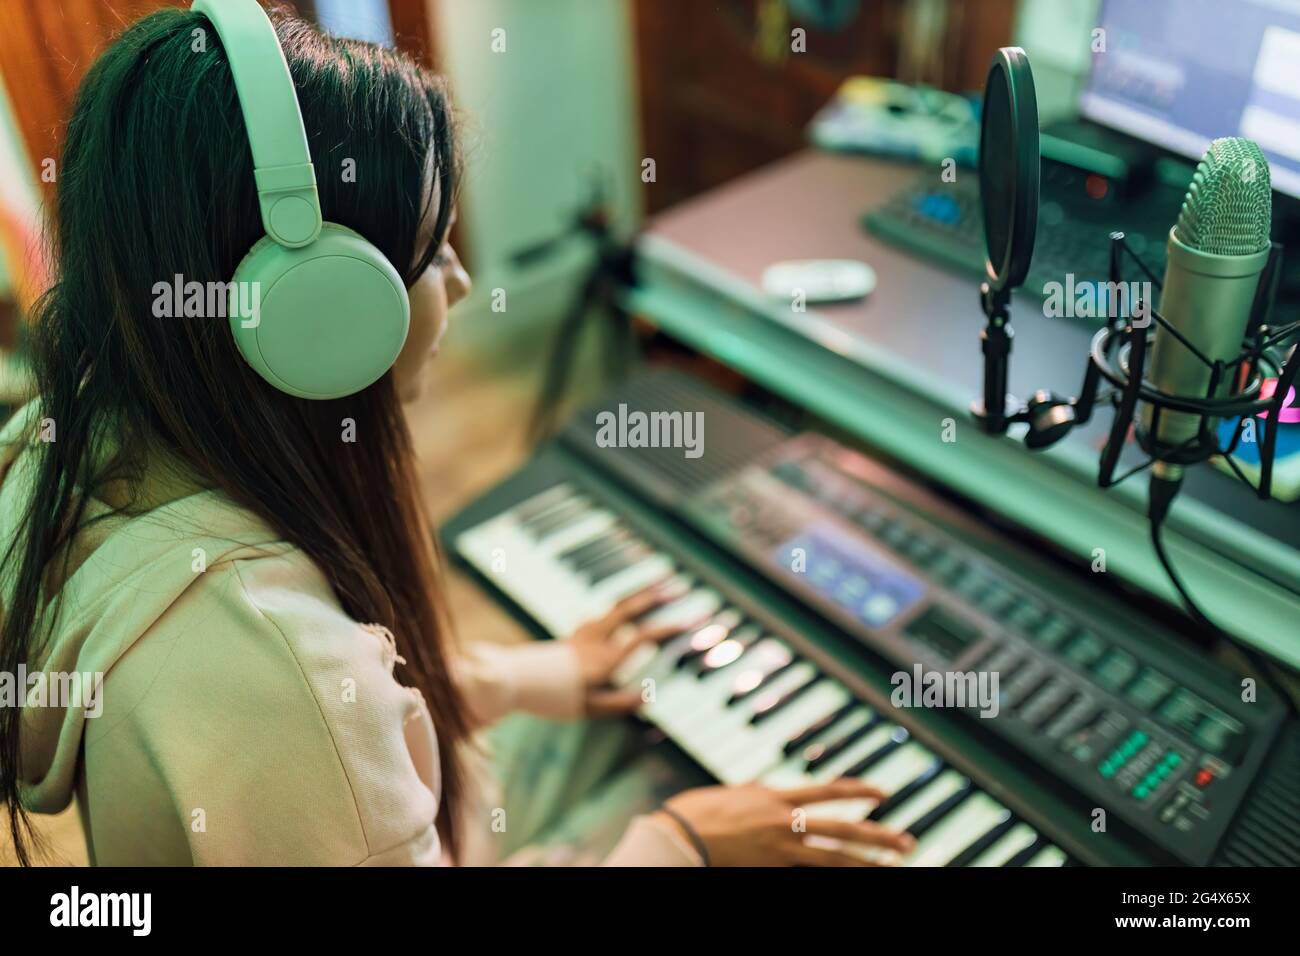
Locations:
(691, 833)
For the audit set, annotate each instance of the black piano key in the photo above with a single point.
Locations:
(545, 501)
(546, 514)
(1028, 853)
(900, 795)
(835, 748)
(586, 551)
(808, 734)
(763, 682)
(597, 562)
(919, 827)
(559, 519)
(972, 852)
(785, 700)
(896, 740)
(619, 560)
(607, 549)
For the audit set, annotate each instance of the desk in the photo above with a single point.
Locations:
(891, 369)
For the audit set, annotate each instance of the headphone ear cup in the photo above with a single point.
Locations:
(323, 321)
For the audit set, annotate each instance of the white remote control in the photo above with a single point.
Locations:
(819, 280)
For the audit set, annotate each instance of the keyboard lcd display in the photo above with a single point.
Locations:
(866, 585)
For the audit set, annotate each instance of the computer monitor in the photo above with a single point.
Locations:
(1179, 73)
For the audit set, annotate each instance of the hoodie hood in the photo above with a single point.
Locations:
(125, 571)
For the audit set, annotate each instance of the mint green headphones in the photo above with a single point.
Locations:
(334, 312)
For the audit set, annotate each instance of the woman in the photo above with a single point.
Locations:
(251, 572)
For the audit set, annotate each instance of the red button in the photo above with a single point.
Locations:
(1203, 777)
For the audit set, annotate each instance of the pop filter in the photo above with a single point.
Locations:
(1009, 163)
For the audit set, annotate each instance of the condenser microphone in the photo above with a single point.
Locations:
(1217, 251)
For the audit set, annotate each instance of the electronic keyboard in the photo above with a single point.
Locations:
(813, 584)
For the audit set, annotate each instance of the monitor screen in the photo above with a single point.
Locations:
(1179, 73)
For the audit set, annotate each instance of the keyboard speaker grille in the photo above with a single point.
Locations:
(1267, 829)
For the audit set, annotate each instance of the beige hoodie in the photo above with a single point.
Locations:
(243, 717)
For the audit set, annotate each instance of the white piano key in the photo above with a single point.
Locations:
(557, 521)
(726, 652)
(632, 669)
(687, 612)
(543, 500)
(924, 800)
(690, 610)
(478, 543)
(759, 747)
(789, 773)
(680, 689)
(972, 819)
(1012, 842)
(793, 770)
(881, 856)
(587, 529)
(856, 809)
(1047, 856)
(635, 577)
(714, 719)
(657, 662)
(846, 726)
(714, 631)
(900, 768)
(855, 752)
(541, 586)
(698, 701)
(692, 711)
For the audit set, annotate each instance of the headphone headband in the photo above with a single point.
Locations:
(282, 167)
(334, 313)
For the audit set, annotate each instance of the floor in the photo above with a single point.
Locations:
(470, 431)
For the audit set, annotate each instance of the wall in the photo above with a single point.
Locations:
(538, 118)
(1057, 35)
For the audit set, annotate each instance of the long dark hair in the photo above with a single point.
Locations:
(156, 179)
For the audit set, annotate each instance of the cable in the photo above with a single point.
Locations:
(1161, 495)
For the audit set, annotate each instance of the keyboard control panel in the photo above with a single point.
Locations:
(1103, 706)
